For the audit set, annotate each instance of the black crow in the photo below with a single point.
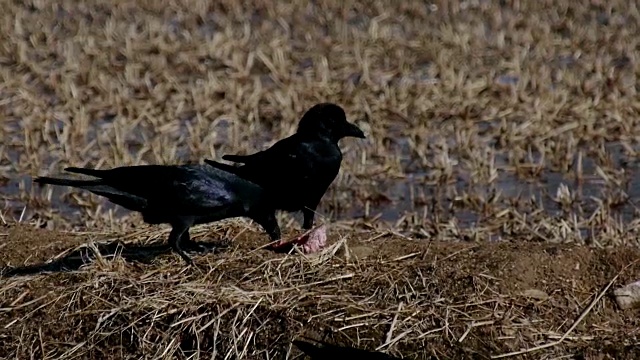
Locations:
(333, 352)
(296, 171)
(179, 195)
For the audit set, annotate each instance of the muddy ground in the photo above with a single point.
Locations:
(446, 300)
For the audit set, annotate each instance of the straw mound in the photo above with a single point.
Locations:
(410, 299)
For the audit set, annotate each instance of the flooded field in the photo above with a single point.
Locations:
(441, 181)
(415, 191)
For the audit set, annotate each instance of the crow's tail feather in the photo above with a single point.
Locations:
(235, 158)
(85, 171)
(65, 182)
(98, 187)
(226, 167)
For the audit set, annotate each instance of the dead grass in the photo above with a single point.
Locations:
(413, 299)
(512, 127)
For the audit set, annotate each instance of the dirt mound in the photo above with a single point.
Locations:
(25, 244)
(415, 300)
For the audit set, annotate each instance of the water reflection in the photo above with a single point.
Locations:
(389, 199)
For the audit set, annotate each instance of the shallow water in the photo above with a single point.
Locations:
(391, 200)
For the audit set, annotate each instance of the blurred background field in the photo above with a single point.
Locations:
(486, 122)
(476, 112)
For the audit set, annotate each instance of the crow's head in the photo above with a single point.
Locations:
(328, 120)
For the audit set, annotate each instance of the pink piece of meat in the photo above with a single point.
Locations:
(310, 242)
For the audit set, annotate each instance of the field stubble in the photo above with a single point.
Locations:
(485, 122)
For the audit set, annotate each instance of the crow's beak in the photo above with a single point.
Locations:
(354, 131)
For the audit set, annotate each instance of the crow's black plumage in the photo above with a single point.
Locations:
(179, 195)
(333, 352)
(297, 171)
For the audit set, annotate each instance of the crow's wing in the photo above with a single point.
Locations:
(196, 197)
(187, 190)
(222, 166)
(294, 166)
(277, 151)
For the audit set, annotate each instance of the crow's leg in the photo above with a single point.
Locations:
(284, 245)
(298, 240)
(309, 213)
(310, 241)
(175, 237)
(269, 224)
(190, 245)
